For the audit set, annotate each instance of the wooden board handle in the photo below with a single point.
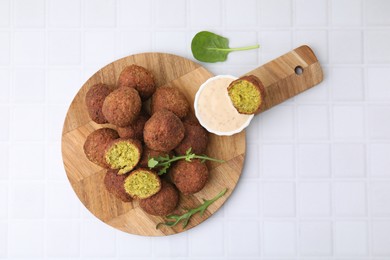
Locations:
(282, 78)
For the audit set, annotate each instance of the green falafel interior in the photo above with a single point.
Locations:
(123, 155)
(142, 184)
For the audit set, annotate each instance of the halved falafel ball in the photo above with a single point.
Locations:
(163, 202)
(123, 154)
(142, 183)
(136, 129)
(122, 106)
(163, 131)
(138, 77)
(96, 143)
(94, 100)
(195, 137)
(149, 153)
(171, 99)
(115, 185)
(189, 177)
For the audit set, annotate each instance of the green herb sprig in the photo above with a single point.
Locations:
(187, 216)
(165, 161)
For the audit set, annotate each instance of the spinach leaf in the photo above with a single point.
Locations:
(210, 47)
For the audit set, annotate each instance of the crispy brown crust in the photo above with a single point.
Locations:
(171, 99)
(122, 106)
(138, 77)
(114, 185)
(135, 142)
(149, 153)
(149, 171)
(258, 84)
(94, 101)
(96, 143)
(195, 137)
(163, 202)
(163, 131)
(189, 177)
(136, 129)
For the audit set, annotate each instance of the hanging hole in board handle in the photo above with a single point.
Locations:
(298, 70)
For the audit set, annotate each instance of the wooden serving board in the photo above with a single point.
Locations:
(280, 81)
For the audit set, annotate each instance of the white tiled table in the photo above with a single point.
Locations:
(316, 182)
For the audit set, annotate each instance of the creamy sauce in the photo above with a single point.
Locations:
(215, 110)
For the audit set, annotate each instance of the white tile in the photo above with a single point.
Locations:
(348, 121)
(278, 199)
(173, 246)
(3, 201)
(350, 238)
(132, 42)
(313, 160)
(380, 199)
(314, 199)
(32, 166)
(31, 116)
(129, 16)
(63, 238)
(251, 165)
(64, 48)
(70, 204)
(4, 161)
(381, 238)
(346, 84)
(311, 13)
(349, 199)
(140, 246)
(5, 48)
(97, 239)
(315, 238)
(245, 9)
(4, 12)
(170, 13)
(348, 160)
(205, 17)
(54, 168)
(5, 80)
(164, 43)
(277, 160)
(29, 13)
(278, 123)
(64, 13)
(377, 121)
(63, 85)
(274, 44)
(253, 132)
(27, 200)
(5, 117)
(99, 47)
(379, 160)
(250, 246)
(29, 48)
(377, 43)
(244, 202)
(275, 13)
(346, 12)
(200, 244)
(28, 85)
(99, 13)
(345, 46)
(242, 58)
(313, 122)
(55, 116)
(25, 239)
(377, 83)
(3, 239)
(279, 238)
(376, 12)
(316, 39)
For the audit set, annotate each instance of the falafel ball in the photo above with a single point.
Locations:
(122, 106)
(94, 100)
(142, 183)
(115, 185)
(189, 177)
(163, 131)
(171, 99)
(96, 143)
(138, 77)
(195, 137)
(136, 129)
(149, 153)
(123, 154)
(163, 202)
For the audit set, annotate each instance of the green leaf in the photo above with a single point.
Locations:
(152, 163)
(210, 47)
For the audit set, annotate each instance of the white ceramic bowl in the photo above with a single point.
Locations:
(201, 121)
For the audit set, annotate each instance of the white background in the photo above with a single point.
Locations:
(316, 181)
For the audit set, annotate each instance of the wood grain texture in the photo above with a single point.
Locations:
(86, 178)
